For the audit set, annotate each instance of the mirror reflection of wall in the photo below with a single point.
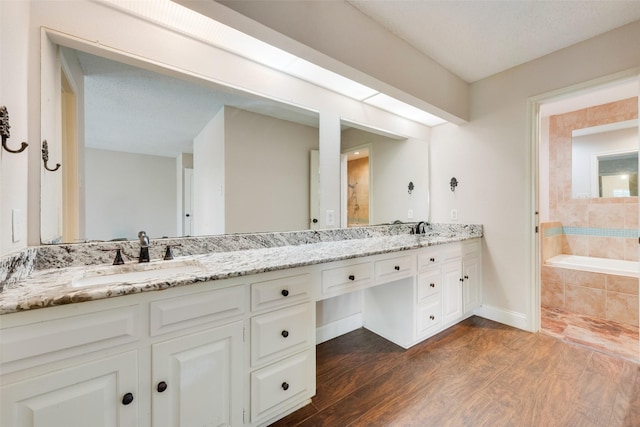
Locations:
(358, 187)
(605, 160)
(135, 141)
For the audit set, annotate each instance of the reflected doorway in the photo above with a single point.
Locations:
(357, 187)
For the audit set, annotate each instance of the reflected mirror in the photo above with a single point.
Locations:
(605, 160)
(148, 151)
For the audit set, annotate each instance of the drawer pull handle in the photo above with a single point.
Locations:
(461, 279)
(433, 285)
(285, 386)
(466, 277)
(285, 293)
(432, 259)
(432, 317)
(127, 398)
(285, 333)
(162, 386)
(397, 268)
(352, 277)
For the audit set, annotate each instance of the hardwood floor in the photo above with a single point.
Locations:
(477, 373)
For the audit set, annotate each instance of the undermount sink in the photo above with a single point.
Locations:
(132, 273)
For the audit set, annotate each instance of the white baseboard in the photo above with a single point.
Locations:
(339, 327)
(507, 317)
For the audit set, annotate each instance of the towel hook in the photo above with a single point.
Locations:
(4, 130)
(45, 157)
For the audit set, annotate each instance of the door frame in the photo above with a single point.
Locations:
(533, 132)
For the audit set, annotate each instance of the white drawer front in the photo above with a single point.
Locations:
(428, 258)
(280, 292)
(282, 384)
(429, 284)
(191, 310)
(429, 316)
(346, 278)
(280, 333)
(59, 338)
(395, 268)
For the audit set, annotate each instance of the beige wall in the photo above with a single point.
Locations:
(600, 213)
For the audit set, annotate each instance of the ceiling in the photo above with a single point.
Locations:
(476, 39)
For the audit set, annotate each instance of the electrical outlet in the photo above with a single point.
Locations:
(330, 218)
(410, 214)
(454, 214)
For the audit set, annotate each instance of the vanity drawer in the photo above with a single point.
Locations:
(395, 268)
(429, 315)
(282, 384)
(280, 292)
(429, 284)
(436, 255)
(58, 338)
(347, 278)
(191, 310)
(280, 333)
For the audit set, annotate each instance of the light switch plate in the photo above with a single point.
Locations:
(454, 214)
(330, 218)
(16, 225)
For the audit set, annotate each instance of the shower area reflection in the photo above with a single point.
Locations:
(589, 219)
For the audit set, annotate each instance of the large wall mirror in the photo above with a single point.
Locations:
(605, 160)
(148, 151)
(147, 148)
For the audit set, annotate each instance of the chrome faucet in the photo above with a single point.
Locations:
(144, 247)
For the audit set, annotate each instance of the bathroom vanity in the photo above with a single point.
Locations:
(228, 342)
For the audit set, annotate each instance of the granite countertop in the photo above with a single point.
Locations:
(53, 287)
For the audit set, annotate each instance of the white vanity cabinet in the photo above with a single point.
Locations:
(471, 273)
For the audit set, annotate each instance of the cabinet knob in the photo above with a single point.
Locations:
(285, 333)
(433, 285)
(285, 293)
(162, 386)
(285, 386)
(461, 279)
(127, 398)
(352, 277)
(466, 277)
(397, 268)
(432, 259)
(432, 317)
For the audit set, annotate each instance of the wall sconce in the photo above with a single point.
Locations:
(453, 183)
(411, 187)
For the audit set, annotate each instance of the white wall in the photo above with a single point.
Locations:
(491, 156)
(14, 69)
(267, 172)
(209, 178)
(122, 187)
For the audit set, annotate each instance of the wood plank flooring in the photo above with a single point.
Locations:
(477, 373)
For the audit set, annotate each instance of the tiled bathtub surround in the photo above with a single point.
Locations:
(583, 219)
(16, 267)
(605, 296)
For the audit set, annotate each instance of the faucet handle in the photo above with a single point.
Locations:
(118, 259)
(168, 255)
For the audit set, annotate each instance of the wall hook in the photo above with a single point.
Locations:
(411, 187)
(453, 183)
(45, 157)
(4, 130)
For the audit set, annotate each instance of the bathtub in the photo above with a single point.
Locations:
(616, 267)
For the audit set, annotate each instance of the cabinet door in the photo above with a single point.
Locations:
(99, 393)
(471, 275)
(452, 291)
(197, 379)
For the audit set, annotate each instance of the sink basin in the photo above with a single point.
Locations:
(133, 273)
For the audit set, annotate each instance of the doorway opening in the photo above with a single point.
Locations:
(358, 187)
(589, 238)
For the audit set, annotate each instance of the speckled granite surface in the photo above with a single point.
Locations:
(56, 269)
